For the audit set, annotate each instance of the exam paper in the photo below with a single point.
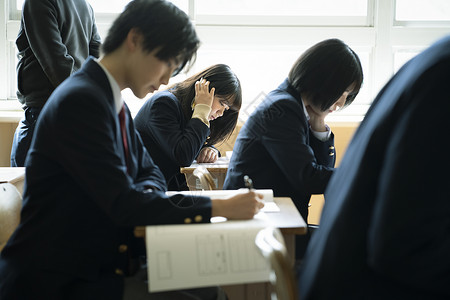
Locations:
(200, 255)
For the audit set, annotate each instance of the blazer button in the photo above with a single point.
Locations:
(331, 153)
(123, 248)
(331, 148)
(187, 221)
(198, 218)
(119, 271)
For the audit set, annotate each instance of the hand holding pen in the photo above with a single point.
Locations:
(240, 206)
(248, 182)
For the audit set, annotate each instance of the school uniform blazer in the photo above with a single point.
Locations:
(385, 227)
(277, 150)
(79, 199)
(171, 140)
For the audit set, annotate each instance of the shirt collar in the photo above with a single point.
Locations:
(118, 101)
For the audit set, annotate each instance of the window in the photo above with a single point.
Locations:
(419, 10)
(261, 39)
(282, 12)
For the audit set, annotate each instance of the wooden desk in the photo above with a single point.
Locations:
(218, 171)
(290, 223)
(15, 176)
(288, 219)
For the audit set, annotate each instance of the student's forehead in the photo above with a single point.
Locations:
(228, 99)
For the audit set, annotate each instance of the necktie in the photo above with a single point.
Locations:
(123, 130)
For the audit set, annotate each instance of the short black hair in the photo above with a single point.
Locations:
(324, 71)
(163, 26)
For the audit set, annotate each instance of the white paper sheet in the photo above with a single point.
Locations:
(200, 255)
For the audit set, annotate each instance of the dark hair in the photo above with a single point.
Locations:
(162, 25)
(228, 87)
(325, 71)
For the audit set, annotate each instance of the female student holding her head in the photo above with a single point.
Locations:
(285, 145)
(184, 122)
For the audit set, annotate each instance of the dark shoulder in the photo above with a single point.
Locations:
(160, 102)
(277, 104)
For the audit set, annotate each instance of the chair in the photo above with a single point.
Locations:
(206, 179)
(10, 206)
(271, 245)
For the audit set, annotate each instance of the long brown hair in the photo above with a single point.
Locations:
(228, 87)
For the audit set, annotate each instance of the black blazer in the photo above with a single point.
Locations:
(277, 150)
(385, 227)
(80, 205)
(172, 141)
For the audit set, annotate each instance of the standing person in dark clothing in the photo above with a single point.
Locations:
(55, 38)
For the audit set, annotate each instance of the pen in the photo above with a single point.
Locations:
(248, 182)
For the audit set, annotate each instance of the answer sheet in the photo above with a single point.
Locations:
(200, 255)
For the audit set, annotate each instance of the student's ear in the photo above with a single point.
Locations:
(133, 40)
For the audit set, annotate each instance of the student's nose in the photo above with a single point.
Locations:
(340, 102)
(165, 79)
(221, 111)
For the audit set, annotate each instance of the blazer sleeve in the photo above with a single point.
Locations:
(324, 151)
(180, 140)
(410, 221)
(286, 138)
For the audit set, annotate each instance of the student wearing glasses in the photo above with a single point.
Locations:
(183, 123)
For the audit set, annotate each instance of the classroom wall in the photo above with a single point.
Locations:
(6, 136)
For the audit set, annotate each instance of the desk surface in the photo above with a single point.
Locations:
(288, 219)
(11, 175)
(220, 166)
(15, 176)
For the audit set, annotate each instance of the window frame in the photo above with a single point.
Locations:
(380, 35)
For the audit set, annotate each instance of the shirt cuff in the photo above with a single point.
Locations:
(201, 111)
(322, 135)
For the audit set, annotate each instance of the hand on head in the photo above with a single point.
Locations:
(202, 93)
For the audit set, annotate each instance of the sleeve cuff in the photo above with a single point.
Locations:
(324, 135)
(201, 111)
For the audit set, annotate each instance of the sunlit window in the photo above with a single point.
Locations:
(282, 7)
(261, 39)
(283, 12)
(420, 10)
(115, 6)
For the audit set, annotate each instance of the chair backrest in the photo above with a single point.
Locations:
(10, 206)
(270, 242)
(206, 179)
